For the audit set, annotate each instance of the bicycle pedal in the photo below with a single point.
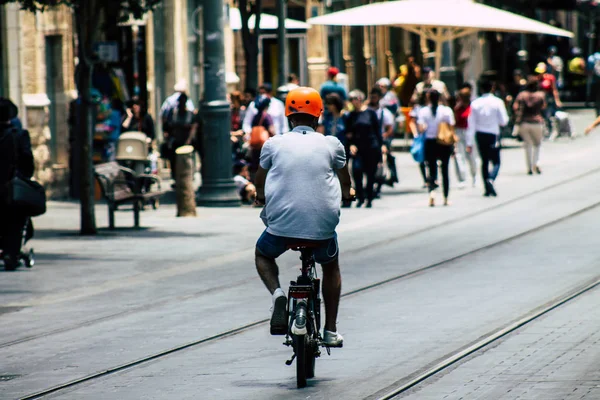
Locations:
(290, 361)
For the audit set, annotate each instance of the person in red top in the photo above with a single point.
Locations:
(464, 150)
(548, 86)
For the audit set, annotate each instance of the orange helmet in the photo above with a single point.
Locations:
(303, 100)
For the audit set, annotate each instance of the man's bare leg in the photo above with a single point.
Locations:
(268, 271)
(332, 288)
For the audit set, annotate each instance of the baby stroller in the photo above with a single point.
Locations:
(133, 153)
(26, 256)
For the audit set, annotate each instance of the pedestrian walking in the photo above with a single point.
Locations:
(430, 82)
(414, 129)
(593, 70)
(262, 129)
(386, 124)
(366, 147)
(331, 123)
(389, 99)
(172, 101)
(183, 126)
(548, 85)
(407, 80)
(488, 116)
(238, 111)
(16, 160)
(276, 111)
(430, 120)
(332, 85)
(528, 107)
(462, 157)
(139, 120)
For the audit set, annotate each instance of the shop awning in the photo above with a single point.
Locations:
(267, 21)
(438, 20)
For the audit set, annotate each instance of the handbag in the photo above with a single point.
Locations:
(446, 135)
(417, 149)
(24, 195)
(27, 196)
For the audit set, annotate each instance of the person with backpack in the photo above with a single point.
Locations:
(16, 159)
(262, 129)
(549, 86)
(529, 106)
(183, 126)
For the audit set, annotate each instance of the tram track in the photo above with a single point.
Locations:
(411, 382)
(386, 241)
(454, 358)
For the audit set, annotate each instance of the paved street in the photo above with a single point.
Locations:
(92, 304)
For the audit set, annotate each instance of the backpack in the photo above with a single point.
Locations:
(259, 134)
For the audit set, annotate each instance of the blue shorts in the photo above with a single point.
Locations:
(273, 246)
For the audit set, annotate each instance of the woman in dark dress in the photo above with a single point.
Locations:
(366, 146)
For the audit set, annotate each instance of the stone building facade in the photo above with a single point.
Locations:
(37, 74)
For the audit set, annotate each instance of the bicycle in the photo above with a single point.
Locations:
(304, 311)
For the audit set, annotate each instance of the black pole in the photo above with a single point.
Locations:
(591, 42)
(218, 189)
(282, 56)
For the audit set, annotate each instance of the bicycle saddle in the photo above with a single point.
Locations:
(303, 245)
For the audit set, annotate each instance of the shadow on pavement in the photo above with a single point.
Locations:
(107, 234)
(401, 192)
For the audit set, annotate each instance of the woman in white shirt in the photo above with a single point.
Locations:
(429, 119)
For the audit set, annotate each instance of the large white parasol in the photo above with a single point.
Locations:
(438, 20)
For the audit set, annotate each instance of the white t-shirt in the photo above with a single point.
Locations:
(302, 190)
(439, 86)
(277, 112)
(240, 182)
(442, 114)
(386, 120)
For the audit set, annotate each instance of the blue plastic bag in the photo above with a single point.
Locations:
(418, 148)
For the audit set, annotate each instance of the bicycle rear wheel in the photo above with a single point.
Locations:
(301, 360)
(311, 357)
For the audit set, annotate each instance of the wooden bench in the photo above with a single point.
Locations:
(122, 185)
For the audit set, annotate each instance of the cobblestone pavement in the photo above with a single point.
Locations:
(554, 358)
(93, 303)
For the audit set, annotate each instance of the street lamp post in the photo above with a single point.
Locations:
(218, 189)
(282, 56)
(591, 42)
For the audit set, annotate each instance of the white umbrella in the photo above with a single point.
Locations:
(437, 20)
(267, 21)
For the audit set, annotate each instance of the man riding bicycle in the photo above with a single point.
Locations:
(302, 180)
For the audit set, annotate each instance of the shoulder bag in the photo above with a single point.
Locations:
(446, 135)
(25, 195)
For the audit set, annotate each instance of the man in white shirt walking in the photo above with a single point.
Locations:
(276, 110)
(488, 115)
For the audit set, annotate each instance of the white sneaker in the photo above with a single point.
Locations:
(332, 339)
